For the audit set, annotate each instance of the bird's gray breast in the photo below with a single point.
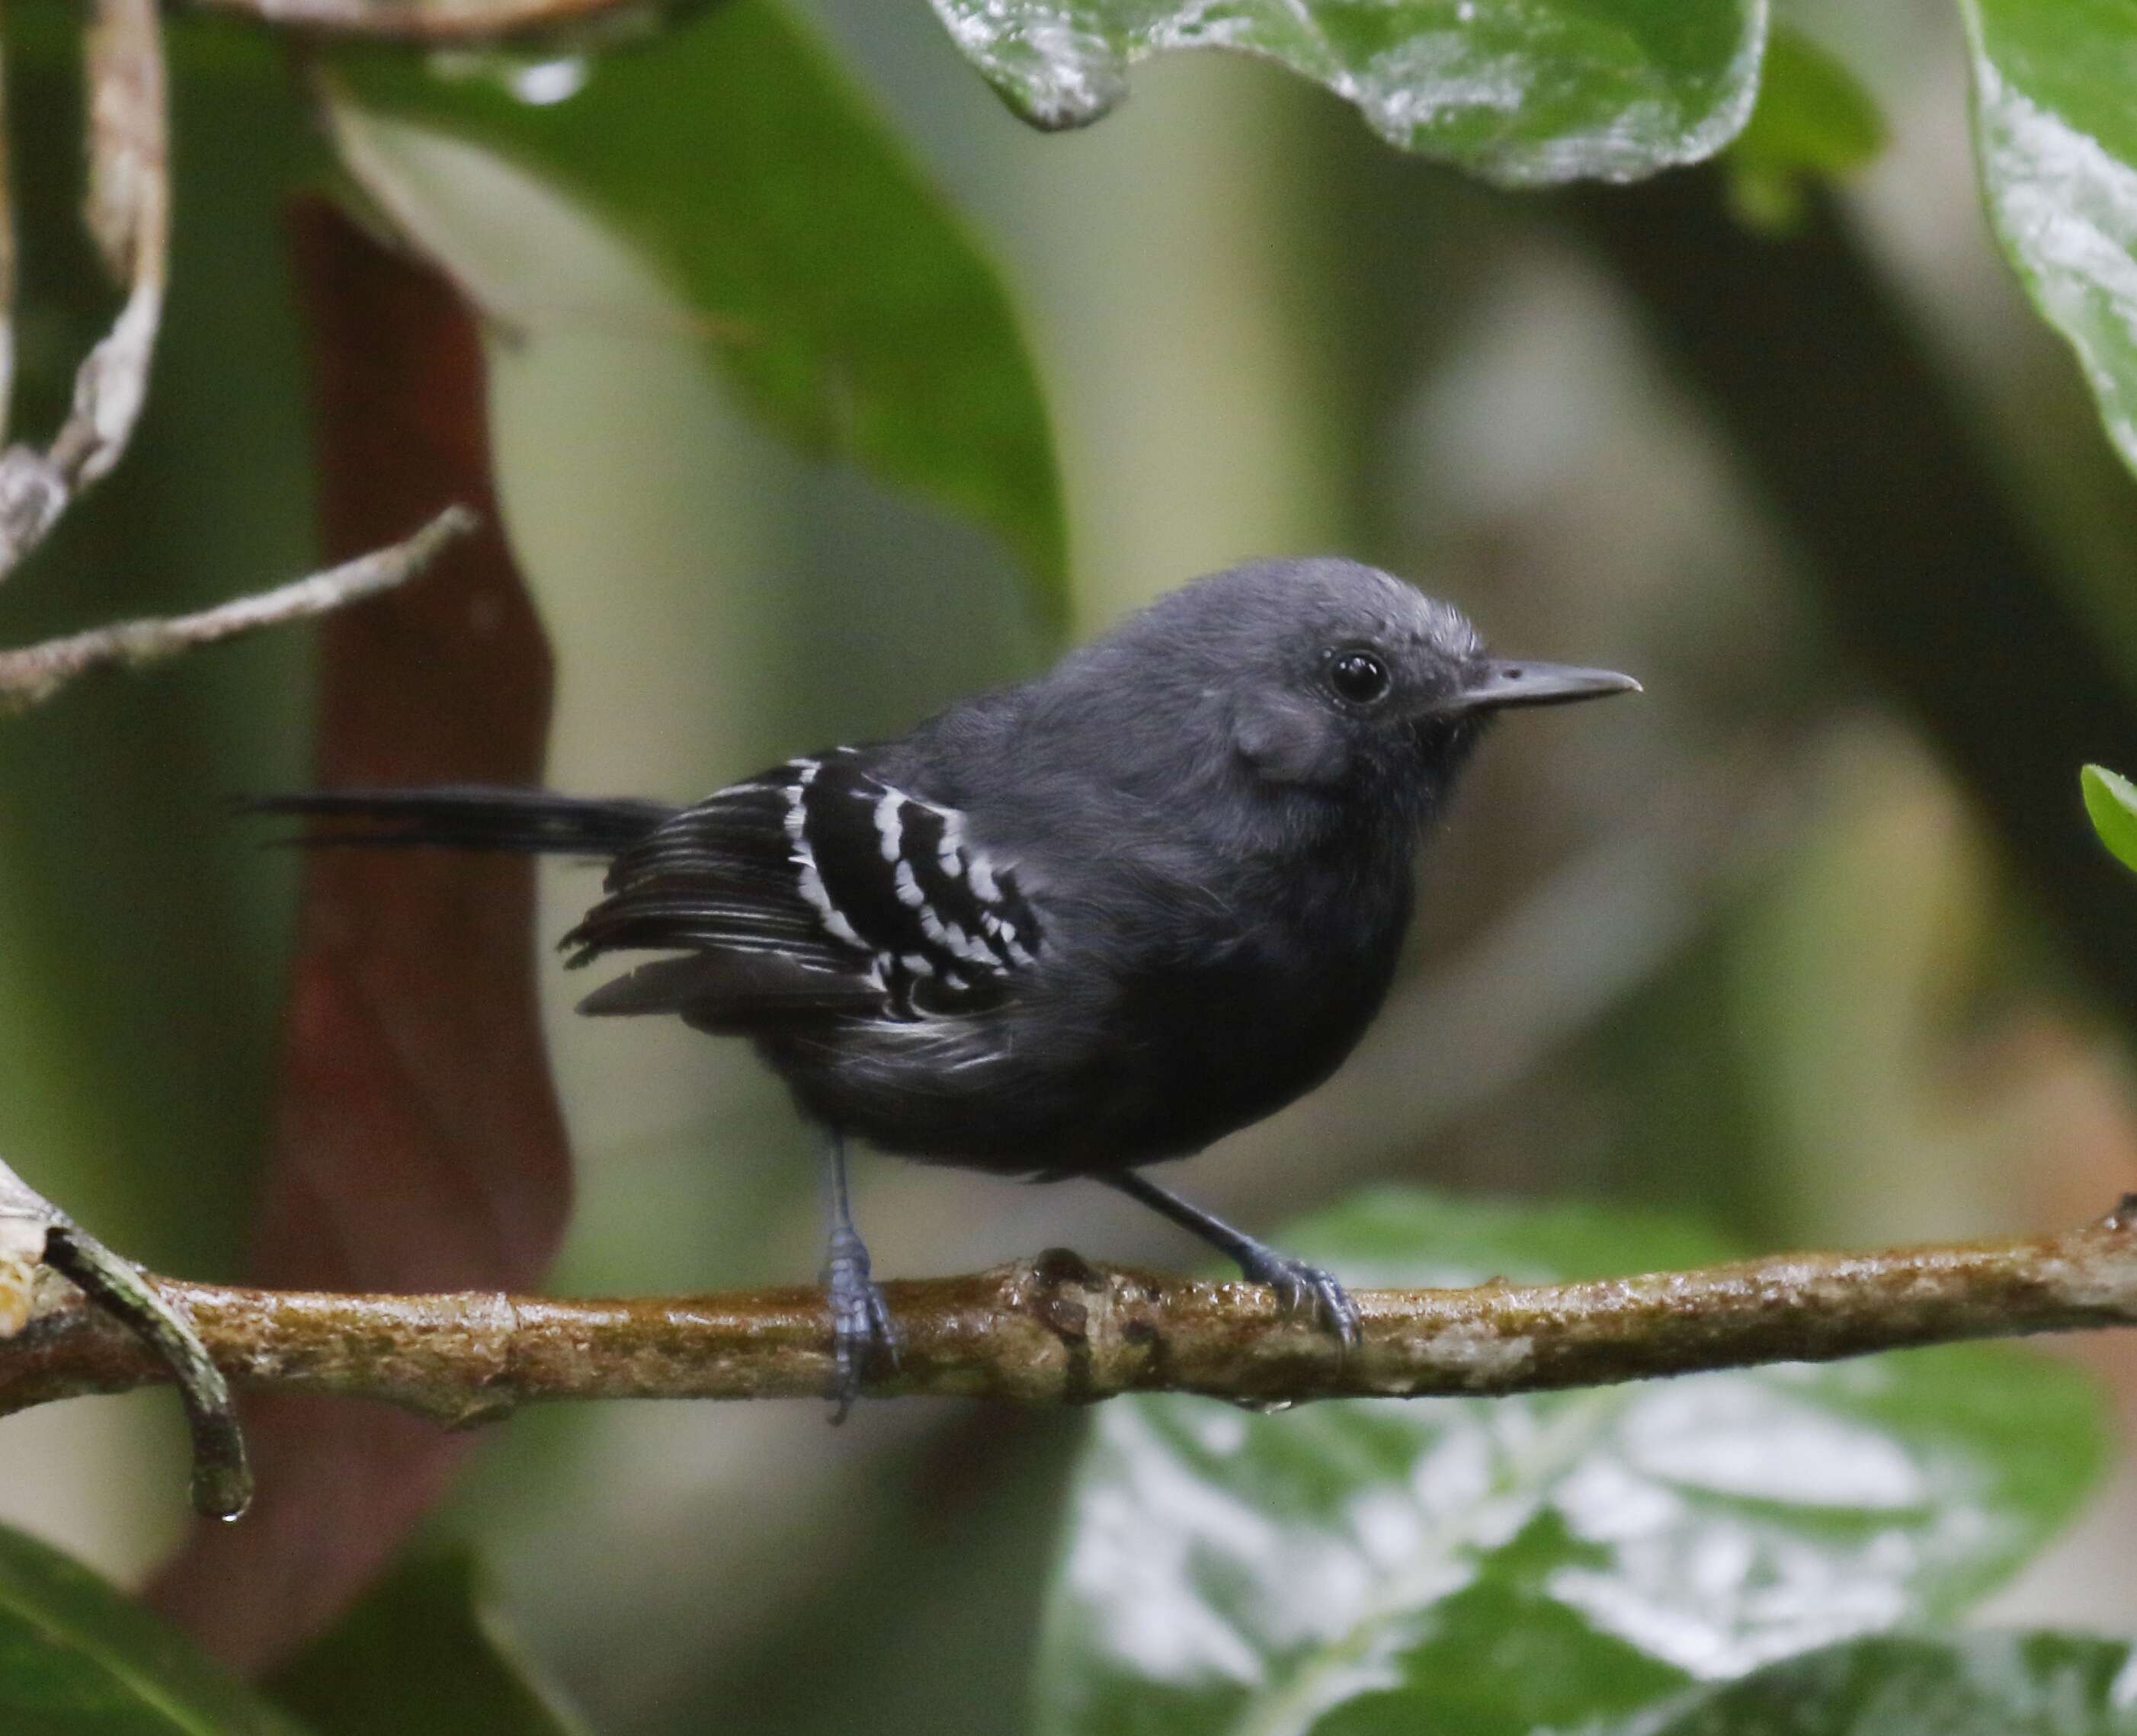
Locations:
(1228, 1032)
(1189, 991)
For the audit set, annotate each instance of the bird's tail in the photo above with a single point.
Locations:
(468, 817)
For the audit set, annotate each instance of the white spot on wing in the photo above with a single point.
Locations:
(949, 854)
(890, 829)
(807, 881)
(797, 814)
(965, 947)
(811, 886)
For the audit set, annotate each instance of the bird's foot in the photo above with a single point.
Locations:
(1301, 1288)
(860, 1323)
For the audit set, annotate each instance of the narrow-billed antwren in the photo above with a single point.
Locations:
(1066, 928)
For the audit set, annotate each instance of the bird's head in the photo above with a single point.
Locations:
(1329, 676)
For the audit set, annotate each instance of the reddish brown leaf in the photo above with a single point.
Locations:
(418, 1142)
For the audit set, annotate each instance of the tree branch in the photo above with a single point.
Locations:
(8, 261)
(32, 674)
(1057, 1330)
(129, 217)
(35, 1235)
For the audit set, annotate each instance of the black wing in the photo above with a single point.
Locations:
(816, 889)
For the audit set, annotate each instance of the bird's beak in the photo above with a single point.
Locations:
(1503, 682)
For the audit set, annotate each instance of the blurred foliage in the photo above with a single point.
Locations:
(421, 1655)
(1811, 113)
(844, 299)
(79, 1657)
(1977, 1684)
(1812, 120)
(1488, 1568)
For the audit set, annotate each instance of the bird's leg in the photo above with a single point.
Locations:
(1297, 1284)
(859, 1322)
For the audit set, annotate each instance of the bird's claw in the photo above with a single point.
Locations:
(860, 1321)
(1301, 1288)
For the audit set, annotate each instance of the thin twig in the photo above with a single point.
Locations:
(33, 1231)
(128, 214)
(1056, 1330)
(32, 674)
(7, 262)
(433, 22)
(26, 1217)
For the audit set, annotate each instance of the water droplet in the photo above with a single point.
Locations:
(1262, 1407)
(538, 83)
(544, 82)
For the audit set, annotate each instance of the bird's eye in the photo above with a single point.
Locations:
(1358, 676)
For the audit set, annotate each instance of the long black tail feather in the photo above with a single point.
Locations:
(468, 817)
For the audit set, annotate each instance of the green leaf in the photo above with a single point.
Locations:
(1812, 115)
(2110, 802)
(2056, 136)
(78, 1657)
(422, 1655)
(1491, 1566)
(1521, 92)
(1978, 1685)
(844, 300)
(1812, 119)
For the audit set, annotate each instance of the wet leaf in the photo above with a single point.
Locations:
(1487, 1567)
(1520, 91)
(839, 293)
(2056, 136)
(423, 1655)
(2110, 802)
(418, 1144)
(1976, 1685)
(78, 1657)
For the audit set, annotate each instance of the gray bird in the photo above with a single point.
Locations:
(1071, 927)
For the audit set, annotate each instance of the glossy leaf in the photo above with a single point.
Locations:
(2110, 802)
(78, 1657)
(422, 1655)
(1977, 1684)
(2056, 134)
(1520, 91)
(1487, 1568)
(840, 295)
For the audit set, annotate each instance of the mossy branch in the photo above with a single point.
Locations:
(1055, 1329)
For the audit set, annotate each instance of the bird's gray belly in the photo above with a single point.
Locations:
(1159, 1068)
